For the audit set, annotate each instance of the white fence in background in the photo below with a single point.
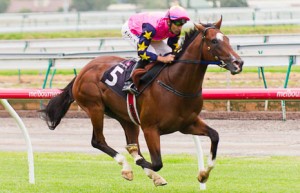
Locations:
(238, 42)
(78, 21)
(256, 50)
(78, 60)
(63, 45)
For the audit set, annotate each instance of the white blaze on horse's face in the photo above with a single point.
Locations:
(220, 36)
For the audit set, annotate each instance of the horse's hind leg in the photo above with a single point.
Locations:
(200, 128)
(98, 141)
(132, 139)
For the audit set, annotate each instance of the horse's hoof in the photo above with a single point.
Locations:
(128, 175)
(203, 176)
(160, 182)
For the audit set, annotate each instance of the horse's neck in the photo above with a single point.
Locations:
(190, 74)
(188, 77)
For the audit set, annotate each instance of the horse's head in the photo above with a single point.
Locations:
(216, 47)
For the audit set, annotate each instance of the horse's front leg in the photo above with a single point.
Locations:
(200, 128)
(153, 142)
(140, 160)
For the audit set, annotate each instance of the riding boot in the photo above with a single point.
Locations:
(128, 84)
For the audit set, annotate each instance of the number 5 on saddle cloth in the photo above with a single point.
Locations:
(115, 77)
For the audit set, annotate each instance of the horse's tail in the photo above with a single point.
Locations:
(58, 106)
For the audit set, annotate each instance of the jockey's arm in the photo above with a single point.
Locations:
(173, 42)
(148, 32)
(166, 59)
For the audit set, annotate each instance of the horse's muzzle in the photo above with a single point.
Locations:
(236, 67)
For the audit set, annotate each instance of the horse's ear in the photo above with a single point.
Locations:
(219, 23)
(199, 26)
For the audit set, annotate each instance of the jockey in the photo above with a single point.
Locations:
(154, 35)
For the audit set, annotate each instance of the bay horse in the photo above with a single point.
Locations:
(171, 103)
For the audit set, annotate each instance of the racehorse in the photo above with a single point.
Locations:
(171, 103)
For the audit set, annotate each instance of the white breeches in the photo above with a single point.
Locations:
(157, 47)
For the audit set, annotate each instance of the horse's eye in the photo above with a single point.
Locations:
(214, 41)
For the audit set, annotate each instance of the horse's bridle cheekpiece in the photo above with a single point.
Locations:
(219, 62)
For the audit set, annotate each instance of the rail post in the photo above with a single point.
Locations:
(291, 62)
(47, 72)
(21, 125)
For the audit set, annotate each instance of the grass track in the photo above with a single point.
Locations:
(73, 172)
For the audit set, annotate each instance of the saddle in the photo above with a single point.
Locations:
(143, 77)
(115, 77)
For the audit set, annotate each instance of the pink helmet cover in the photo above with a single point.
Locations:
(177, 12)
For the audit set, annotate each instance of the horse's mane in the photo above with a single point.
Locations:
(188, 38)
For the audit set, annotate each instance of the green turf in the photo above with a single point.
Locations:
(73, 172)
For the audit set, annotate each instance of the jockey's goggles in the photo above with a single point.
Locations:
(179, 22)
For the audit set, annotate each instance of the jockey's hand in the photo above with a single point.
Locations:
(166, 59)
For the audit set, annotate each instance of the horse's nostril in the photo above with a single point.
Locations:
(241, 62)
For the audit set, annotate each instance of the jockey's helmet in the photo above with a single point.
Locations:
(177, 13)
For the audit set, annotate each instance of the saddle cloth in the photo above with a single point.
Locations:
(115, 77)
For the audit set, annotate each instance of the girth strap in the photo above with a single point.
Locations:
(178, 93)
(205, 62)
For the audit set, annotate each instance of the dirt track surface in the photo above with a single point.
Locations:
(237, 137)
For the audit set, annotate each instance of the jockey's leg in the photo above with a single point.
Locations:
(128, 84)
(129, 36)
(161, 47)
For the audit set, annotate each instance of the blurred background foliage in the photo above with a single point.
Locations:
(4, 5)
(97, 5)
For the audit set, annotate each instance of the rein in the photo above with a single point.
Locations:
(204, 62)
(220, 63)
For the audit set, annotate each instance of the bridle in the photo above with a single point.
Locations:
(217, 61)
(222, 63)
